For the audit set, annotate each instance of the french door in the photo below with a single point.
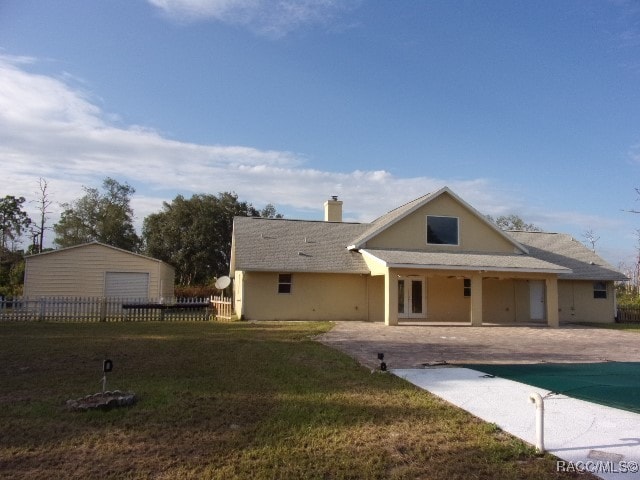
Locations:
(411, 297)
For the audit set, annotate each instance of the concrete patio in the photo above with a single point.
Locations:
(414, 345)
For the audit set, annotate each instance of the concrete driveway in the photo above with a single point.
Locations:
(413, 346)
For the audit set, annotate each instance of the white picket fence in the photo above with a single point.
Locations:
(114, 309)
(223, 307)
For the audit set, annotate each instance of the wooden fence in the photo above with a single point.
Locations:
(114, 309)
(223, 307)
(629, 314)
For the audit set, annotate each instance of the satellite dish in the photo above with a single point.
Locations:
(222, 283)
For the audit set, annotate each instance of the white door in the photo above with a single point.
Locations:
(536, 299)
(126, 285)
(411, 297)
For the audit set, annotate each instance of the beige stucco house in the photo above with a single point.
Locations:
(96, 270)
(434, 259)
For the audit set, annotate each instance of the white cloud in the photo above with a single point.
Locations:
(274, 18)
(52, 130)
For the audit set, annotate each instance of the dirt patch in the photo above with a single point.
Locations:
(102, 401)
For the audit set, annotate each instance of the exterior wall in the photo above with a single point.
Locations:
(499, 303)
(411, 232)
(446, 301)
(375, 286)
(576, 302)
(361, 297)
(506, 300)
(314, 296)
(167, 276)
(80, 272)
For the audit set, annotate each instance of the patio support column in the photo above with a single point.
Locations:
(476, 299)
(551, 284)
(390, 298)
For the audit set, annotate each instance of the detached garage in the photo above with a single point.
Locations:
(97, 270)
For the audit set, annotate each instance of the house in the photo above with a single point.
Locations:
(433, 259)
(96, 270)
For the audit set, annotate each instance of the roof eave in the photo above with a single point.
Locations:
(478, 268)
(294, 270)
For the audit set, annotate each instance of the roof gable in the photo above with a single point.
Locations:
(386, 223)
(98, 244)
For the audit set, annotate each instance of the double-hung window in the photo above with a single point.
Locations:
(467, 287)
(285, 282)
(599, 290)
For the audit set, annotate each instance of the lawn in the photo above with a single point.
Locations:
(238, 400)
(631, 327)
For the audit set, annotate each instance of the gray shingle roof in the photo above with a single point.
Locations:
(564, 250)
(295, 246)
(280, 245)
(465, 261)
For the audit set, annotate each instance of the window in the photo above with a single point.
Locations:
(442, 230)
(284, 282)
(599, 290)
(467, 287)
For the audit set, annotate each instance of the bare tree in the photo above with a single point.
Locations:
(591, 238)
(513, 222)
(43, 203)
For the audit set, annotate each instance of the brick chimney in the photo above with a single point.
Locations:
(333, 210)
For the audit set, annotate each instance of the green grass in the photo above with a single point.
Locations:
(231, 401)
(632, 327)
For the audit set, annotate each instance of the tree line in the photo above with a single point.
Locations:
(192, 234)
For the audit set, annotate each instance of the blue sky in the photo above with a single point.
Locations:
(521, 107)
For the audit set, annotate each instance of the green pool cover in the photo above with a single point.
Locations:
(615, 384)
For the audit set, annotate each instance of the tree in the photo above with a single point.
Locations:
(194, 235)
(513, 222)
(105, 217)
(591, 238)
(37, 230)
(13, 221)
(269, 211)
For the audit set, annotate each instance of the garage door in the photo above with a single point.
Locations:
(126, 285)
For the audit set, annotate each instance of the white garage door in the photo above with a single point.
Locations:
(126, 285)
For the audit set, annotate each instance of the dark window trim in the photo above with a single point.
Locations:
(599, 290)
(467, 287)
(457, 244)
(285, 283)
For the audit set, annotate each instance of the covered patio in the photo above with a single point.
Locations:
(473, 288)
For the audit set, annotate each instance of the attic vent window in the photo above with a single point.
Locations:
(442, 230)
